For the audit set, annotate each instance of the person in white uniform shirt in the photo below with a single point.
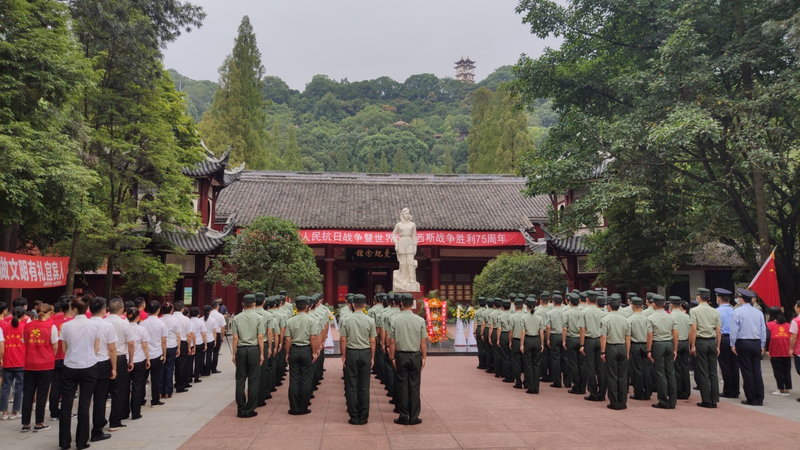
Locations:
(183, 363)
(220, 325)
(141, 362)
(81, 343)
(106, 367)
(157, 345)
(200, 342)
(120, 395)
(211, 334)
(166, 382)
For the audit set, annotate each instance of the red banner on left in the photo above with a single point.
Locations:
(27, 271)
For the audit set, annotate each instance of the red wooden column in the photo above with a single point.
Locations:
(330, 276)
(435, 260)
(198, 282)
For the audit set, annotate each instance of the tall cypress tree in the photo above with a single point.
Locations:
(238, 114)
(292, 160)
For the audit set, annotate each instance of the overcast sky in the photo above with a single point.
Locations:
(358, 39)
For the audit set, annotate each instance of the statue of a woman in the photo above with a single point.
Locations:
(404, 237)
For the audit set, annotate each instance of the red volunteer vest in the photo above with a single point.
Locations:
(14, 357)
(38, 349)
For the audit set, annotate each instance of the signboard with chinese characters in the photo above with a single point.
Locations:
(372, 254)
(442, 238)
(26, 271)
(186, 262)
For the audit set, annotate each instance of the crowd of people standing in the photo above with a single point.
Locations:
(95, 350)
(597, 348)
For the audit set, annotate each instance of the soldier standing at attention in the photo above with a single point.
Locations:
(503, 341)
(487, 334)
(386, 321)
(573, 325)
(748, 339)
(662, 349)
(704, 339)
(682, 377)
(554, 323)
(478, 318)
(517, 338)
(408, 351)
(248, 333)
(301, 346)
(728, 363)
(357, 342)
(590, 347)
(615, 346)
(541, 311)
(372, 312)
(627, 311)
(264, 372)
(639, 364)
(532, 335)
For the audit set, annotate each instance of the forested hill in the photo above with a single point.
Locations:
(380, 125)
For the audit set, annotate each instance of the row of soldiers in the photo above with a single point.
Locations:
(270, 333)
(596, 348)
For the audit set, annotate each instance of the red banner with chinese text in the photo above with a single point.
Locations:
(27, 271)
(441, 238)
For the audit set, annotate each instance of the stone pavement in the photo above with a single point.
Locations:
(461, 407)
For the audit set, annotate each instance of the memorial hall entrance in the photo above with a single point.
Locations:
(370, 280)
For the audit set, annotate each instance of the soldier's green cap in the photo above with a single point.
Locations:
(531, 299)
(507, 301)
(544, 294)
(481, 298)
(522, 296)
(519, 301)
(649, 295)
(614, 301)
(512, 295)
(302, 300)
(407, 299)
(617, 296)
(316, 297)
(283, 293)
(582, 294)
(657, 298)
(636, 300)
(557, 297)
(631, 295)
(703, 292)
(556, 292)
(359, 299)
(591, 294)
(249, 299)
(675, 300)
(602, 301)
(576, 291)
(574, 297)
(260, 296)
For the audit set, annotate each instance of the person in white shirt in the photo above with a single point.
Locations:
(81, 342)
(141, 362)
(120, 395)
(157, 345)
(166, 382)
(220, 326)
(106, 367)
(183, 363)
(211, 334)
(201, 344)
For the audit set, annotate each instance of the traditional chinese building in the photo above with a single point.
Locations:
(465, 70)
(462, 221)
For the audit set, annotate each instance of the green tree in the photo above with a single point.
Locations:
(341, 161)
(267, 255)
(401, 164)
(702, 96)
(529, 273)
(237, 116)
(499, 134)
(383, 166)
(292, 161)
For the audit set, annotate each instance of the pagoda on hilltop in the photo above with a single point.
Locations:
(465, 70)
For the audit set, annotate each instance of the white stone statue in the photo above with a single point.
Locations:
(404, 237)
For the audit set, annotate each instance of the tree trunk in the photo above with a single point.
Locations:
(73, 262)
(761, 215)
(8, 243)
(109, 276)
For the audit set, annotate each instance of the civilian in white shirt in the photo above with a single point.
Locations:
(211, 334)
(157, 345)
(120, 386)
(201, 344)
(183, 362)
(173, 338)
(106, 367)
(141, 362)
(80, 341)
(220, 325)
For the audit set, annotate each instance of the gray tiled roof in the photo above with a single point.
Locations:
(203, 241)
(374, 201)
(572, 244)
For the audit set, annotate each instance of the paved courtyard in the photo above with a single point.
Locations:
(461, 408)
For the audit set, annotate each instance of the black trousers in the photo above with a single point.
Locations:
(749, 351)
(156, 366)
(546, 368)
(481, 349)
(705, 369)
(247, 370)
(555, 359)
(617, 373)
(182, 373)
(35, 384)
(300, 381)
(100, 396)
(664, 368)
(409, 378)
(138, 380)
(263, 377)
(516, 361)
(641, 371)
(356, 380)
(682, 377)
(55, 389)
(781, 367)
(199, 361)
(505, 356)
(729, 368)
(596, 382)
(532, 363)
(577, 364)
(120, 393)
(72, 378)
(209, 358)
(217, 348)
(497, 352)
(488, 351)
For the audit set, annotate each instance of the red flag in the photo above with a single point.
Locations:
(765, 284)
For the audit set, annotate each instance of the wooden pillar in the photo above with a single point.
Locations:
(330, 276)
(435, 260)
(198, 284)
